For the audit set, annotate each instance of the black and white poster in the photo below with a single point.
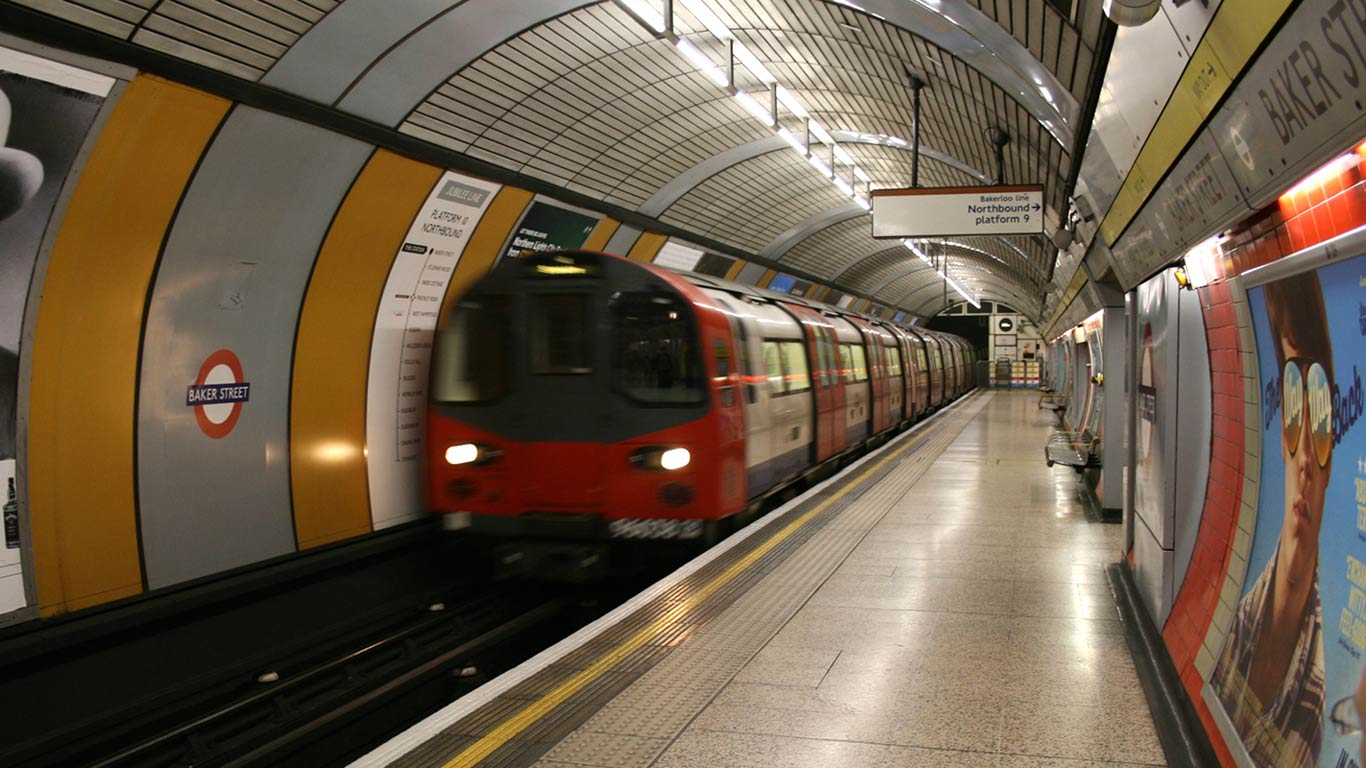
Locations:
(46, 110)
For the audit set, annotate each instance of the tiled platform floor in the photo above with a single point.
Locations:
(971, 627)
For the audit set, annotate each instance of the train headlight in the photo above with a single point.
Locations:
(675, 458)
(659, 457)
(469, 453)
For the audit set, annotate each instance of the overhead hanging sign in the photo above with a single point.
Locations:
(958, 211)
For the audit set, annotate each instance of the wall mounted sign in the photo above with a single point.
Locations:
(944, 211)
(218, 393)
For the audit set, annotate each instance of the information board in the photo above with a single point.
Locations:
(958, 211)
(401, 348)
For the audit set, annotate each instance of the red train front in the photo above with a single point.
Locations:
(578, 397)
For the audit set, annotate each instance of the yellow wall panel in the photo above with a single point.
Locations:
(82, 505)
(735, 268)
(332, 349)
(597, 239)
(647, 246)
(766, 278)
(1232, 38)
(486, 241)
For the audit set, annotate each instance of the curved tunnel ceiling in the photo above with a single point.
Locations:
(583, 95)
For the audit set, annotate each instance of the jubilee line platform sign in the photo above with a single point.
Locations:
(958, 211)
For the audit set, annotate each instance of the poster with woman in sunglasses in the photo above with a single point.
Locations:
(1295, 647)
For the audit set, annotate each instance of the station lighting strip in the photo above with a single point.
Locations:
(778, 96)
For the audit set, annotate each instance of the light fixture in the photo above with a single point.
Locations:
(743, 57)
(1182, 279)
(913, 248)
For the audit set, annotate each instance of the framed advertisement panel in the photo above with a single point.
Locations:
(1296, 646)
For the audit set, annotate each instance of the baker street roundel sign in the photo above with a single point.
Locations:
(1005, 325)
(218, 393)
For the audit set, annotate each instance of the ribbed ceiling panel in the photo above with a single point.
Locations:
(591, 101)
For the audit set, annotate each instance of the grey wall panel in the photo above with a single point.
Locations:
(1194, 395)
(621, 241)
(232, 277)
(1153, 573)
(336, 50)
(750, 273)
(404, 77)
(1113, 453)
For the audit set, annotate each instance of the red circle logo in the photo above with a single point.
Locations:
(218, 394)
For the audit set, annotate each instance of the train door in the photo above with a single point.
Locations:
(754, 391)
(898, 379)
(938, 381)
(858, 395)
(827, 388)
(877, 376)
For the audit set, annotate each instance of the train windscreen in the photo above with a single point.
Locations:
(654, 349)
(471, 365)
(561, 333)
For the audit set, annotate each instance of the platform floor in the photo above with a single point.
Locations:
(944, 603)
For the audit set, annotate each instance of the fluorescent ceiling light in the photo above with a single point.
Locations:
(792, 139)
(752, 63)
(754, 107)
(820, 133)
(708, 18)
(786, 98)
(642, 10)
(962, 293)
(698, 58)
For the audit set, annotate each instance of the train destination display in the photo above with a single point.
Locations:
(945, 211)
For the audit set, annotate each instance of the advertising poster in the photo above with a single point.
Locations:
(549, 227)
(1294, 654)
(46, 110)
(1153, 395)
(401, 348)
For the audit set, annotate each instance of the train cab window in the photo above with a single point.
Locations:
(561, 328)
(654, 349)
(773, 368)
(470, 364)
(825, 357)
(795, 370)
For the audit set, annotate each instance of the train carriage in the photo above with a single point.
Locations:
(579, 397)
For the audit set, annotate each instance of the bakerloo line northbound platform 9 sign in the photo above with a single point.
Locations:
(955, 211)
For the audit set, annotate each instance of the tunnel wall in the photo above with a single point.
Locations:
(148, 281)
(1208, 593)
(215, 249)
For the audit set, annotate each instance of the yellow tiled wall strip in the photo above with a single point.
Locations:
(486, 241)
(332, 349)
(647, 246)
(1073, 288)
(85, 538)
(601, 234)
(1234, 34)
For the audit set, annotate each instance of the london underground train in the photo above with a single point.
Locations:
(580, 397)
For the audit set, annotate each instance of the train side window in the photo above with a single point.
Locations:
(894, 360)
(859, 364)
(798, 374)
(920, 360)
(470, 364)
(773, 367)
(560, 328)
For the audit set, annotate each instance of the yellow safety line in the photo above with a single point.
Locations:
(519, 722)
